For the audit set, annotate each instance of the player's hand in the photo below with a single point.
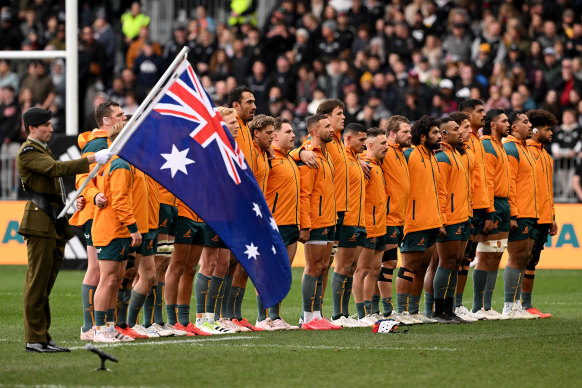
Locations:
(488, 227)
(100, 200)
(304, 236)
(512, 225)
(442, 232)
(309, 158)
(80, 203)
(270, 153)
(366, 169)
(554, 229)
(135, 239)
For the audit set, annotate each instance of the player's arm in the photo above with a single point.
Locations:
(120, 187)
(491, 160)
(307, 177)
(443, 176)
(513, 156)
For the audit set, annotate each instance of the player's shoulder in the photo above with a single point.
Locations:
(119, 164)
(488, 146)
(442, 157)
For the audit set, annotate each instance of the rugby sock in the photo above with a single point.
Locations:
(159, 304)
(240, 294)
(489, 288)
(231, 302)
(183, 314)
(275, 312)
(201, 286)
(428, 304)
(518, 294)
(100, 318)
(462, 279)
(121, 313)
(368, 306)
(479, 283)
(110, 317)
(135, 304)
(413, 302)
(526, 300)
(213, 299)
(308, 292)
(172, 314)
(458, 299)
(375, 304)
(87, 294)
(318, 294)
(338, 289)
(511, 281)
(442, 279)
(347, 297)
(387, 306)
(262, 315)
(452, 285)
(148, 307)
(225, 292)
(402, 302)
(361, 308)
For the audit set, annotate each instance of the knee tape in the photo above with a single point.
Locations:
(162, 247)
(383, 272)
(503, 244)
(390, 255)
(492, 246)
(401, 274)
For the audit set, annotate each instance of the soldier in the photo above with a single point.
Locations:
(45, 235)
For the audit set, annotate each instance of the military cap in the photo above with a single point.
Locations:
(36, 116)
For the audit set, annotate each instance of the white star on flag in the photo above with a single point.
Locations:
(273, 224)
(177, 161)
(257, 210)
(273, 249)
(252, 251)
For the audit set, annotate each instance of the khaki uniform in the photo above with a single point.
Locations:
(39, 171)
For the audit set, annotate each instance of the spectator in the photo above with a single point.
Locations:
(284, 78)
(147, 68)
(131, 23)
(328, 46)
(496, 100)
(219, 66)
(58, 42)
(104, 34)
(551, 103)
(40, 84)
(549, 36)
(173, 47)
(58, 78)
(7, 76)
(457, 45)
(89, 122)
(203, 50)
(204, 21)
(136, 46)
(492, 37)
(11, 36)
(577, 182)
(352, 108)
(566, 82)
(117, 92)
(257, 82)
(566, 146)
(528, 102)
(9, 115)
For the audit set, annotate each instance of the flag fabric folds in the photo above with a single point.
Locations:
(181, 141)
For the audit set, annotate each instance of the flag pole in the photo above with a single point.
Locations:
(127, 129)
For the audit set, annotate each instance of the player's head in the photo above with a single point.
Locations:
(115, 129)
(284, 137)
(399, 131)
(474, 108)
(334, 110)
(496, 123)
(355, 136)
(425, 131)
(376, 143)
(520, 126)
(543, 123)
(229, 118)
(319, 126)
(108, 113)
(462, 119)
(262, 128)
(242, 100)
(449, 131)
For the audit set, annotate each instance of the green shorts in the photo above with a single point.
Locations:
(526, 228)
(168, 219)
(394, 235)
(377, 243)
(420, 240)
(87, 232)
(456, 232)
(352, 236)
(117, 250)
(339, 226)
(211, 239)
(502, 215)
(189, 232)
(322, 234)
(289, 234)
(149, 245)
(478, 221)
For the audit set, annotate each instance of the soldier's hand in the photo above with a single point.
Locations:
(554, 229)
(102, 156)
(309, 158)
(135, 239)
(304, 235)
(442, 232)
(80, 203)
(100, 200)
(512, 225)
(488, 227)
(366, 169)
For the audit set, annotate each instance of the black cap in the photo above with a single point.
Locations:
(36, 116)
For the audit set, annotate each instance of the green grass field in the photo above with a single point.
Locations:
(495, 353)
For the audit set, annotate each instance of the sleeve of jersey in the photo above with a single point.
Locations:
(307, 181)
(444, 171)
(295, 154)
(514, 166)
(490, 163)
(120, 193)
(90, 191)
(551, 172)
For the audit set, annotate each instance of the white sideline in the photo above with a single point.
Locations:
(155, 343)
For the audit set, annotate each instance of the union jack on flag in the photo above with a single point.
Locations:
(181, 141)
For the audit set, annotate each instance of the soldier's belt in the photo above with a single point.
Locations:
(43, 202)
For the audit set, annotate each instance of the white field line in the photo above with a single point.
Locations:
(157, 343)
(435, 348)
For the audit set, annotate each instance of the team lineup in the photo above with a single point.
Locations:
(445, 193)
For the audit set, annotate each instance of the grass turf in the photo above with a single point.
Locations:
(495, 353)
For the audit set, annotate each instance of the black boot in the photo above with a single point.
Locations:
(450, 310)
(439, 312)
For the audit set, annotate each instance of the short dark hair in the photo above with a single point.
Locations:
(395, 121)
(355, 128)
(445, 120)
(104, 110)
(469, 104)
(279, 121)
(514, 116)
(375, 132)
(422, 126)
(541, 118)
(458, 117)
(313, 120)
(489, 117)
(327, 106)
(235, 94)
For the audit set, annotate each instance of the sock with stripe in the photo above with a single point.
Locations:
(338, 289)
(347, 297)
(375, 307)
(148, 307)
(262, 311)
(453, 285)
(442, 279)
(428, 304)
(100, 318)
(213, 299)
(171, 312)
(225, 293)
(526, 300)
(110, 317)
(308, 292)
(413, 304)
(489, 288)
(318, 295)
(201, 286)
(361, 309)
(275, 312)
(402, 302)
(368, 306)
(387, 306)
(240, 294)
(183, 314)
(135, 304)
(159, 304)
(479, 284)
(511, 277)
(87, 295)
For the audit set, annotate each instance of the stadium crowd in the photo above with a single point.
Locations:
(379, 128)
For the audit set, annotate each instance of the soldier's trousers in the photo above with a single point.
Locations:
(45, 256)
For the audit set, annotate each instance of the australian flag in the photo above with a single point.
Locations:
(181, 141)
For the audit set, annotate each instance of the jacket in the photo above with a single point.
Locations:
(356, 216)
(454, 176)
(395, 169)
(544, 179)
(497, 169)
(375, 202)
(185, 211)
(153, 203)
(244, 139)
(139, 192)
(480, 190)
(468, 159)
(260, 166)
(522, 196)
(283, 189)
